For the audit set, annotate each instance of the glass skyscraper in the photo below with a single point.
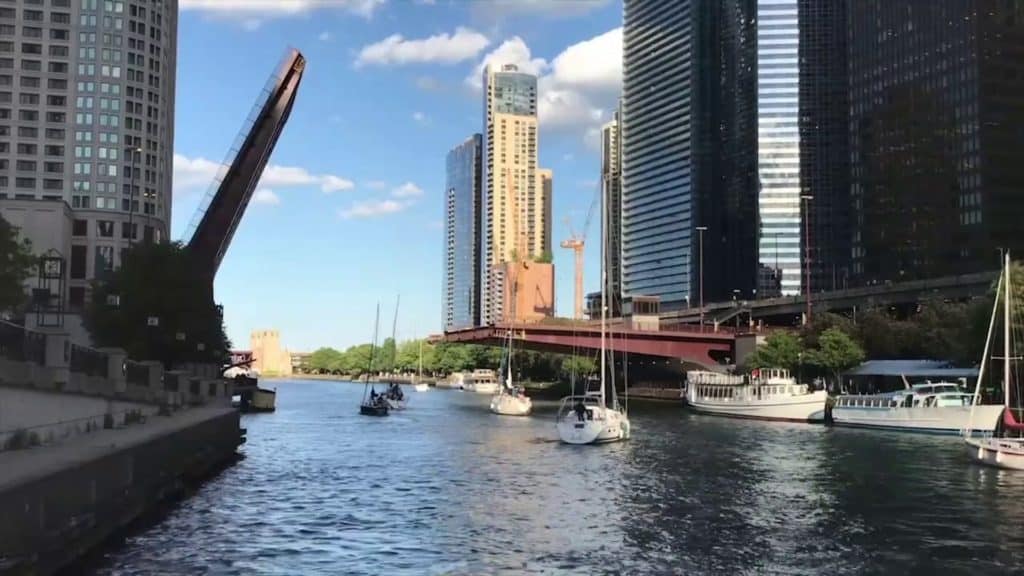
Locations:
(462, 235)
(658, 127)
(778, 139)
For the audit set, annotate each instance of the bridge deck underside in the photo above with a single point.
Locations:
(702, 349)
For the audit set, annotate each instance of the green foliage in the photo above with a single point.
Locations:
(821, 322)
(780, 350)
(578, 367)
(544, 258)
(156, 280)
(385, 356)
(16, 264)
(836, 352)
(324, 360)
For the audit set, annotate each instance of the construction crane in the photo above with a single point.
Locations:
(576, 243)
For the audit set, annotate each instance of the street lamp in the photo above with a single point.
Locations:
(701, 230)
(807, 250)
(134, 151)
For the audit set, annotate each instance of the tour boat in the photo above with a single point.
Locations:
(482, 381)
(595, 417)
(1002, 445)
(373, 404)
(768, 394)
(511, 400)
(932, 407)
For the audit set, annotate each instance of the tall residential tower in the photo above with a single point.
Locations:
(515, 203)
(87, 125)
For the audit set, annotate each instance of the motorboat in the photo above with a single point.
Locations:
(1003, 445)
(932, 407)
(421, 387)
(482, 381)
(395, 397)
(766, 394)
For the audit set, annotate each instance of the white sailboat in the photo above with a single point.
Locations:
(590, 418)
(511, 400)
(1004, 446)
(420, 386)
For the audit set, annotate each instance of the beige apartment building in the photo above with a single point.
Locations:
(516, 206)
(268, 357)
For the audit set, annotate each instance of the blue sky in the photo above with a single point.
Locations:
(349, 211)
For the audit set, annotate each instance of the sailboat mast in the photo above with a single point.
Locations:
(604, 294)
(394, 330)
(369, 367)
(1006, 334)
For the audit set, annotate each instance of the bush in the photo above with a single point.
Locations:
(21, 439)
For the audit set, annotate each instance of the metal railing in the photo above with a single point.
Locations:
(22, 345)
(88, 361)
(136, 374)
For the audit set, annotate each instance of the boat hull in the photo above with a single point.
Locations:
(421, 387)
(806, 408)
(950, 420)
(485, 388)
(258, 400)
(606, 426)
(373, 410)
(1005, 453)
(509, 405)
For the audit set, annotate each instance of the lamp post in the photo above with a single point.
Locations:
(700, 231)
(807, 250)
(134, 151)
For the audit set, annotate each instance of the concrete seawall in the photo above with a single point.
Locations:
(59, 502)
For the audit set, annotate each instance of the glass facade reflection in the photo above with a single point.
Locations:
(778, 139)
(462, 235)
(658, 141)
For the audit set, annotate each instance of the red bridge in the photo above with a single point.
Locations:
(706, 348)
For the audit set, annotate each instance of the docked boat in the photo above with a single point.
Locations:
(421, 387)
(932, 407)
(482, 381)
(373, 404)
(768, 394)
(252, 398)
(1003, 445)
(596, 417)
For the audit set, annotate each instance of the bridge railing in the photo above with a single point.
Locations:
(85, 360)
(19, 344)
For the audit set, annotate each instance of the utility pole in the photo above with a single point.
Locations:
(701, 230)
(807, 251)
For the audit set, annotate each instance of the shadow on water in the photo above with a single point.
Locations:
(446, 488)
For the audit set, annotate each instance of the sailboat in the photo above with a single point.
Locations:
(394, 395)
(595, 417)
(421, 386)
(374, 404)
(511, 400)
(1004, 448)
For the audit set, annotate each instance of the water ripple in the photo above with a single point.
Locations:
(446, 489)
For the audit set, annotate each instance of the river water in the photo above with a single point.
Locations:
(447, 488)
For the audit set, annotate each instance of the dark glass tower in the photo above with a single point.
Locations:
(462, 237)
(936, 113)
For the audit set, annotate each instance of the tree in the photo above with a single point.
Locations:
(544, 257)
(384, 357)
(821, 322)
(324, 360)
(578, 366)
(157, 281)
(836, 352)
(16, 264)
(780, 350)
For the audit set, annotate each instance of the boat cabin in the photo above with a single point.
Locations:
(928, 395)
(762, 384)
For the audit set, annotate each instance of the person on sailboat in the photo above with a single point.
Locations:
(581, 410)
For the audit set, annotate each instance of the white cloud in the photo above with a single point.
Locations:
(273, 8)
(324, 36)
(190, 173)
(464, 44)
(371, 208)
(511, 51)
(577, 89)
(266, 196)
(407, 190)
(421, 118)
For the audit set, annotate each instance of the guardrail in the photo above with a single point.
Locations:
(22, 345)
(88, 361)
(136, 374)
